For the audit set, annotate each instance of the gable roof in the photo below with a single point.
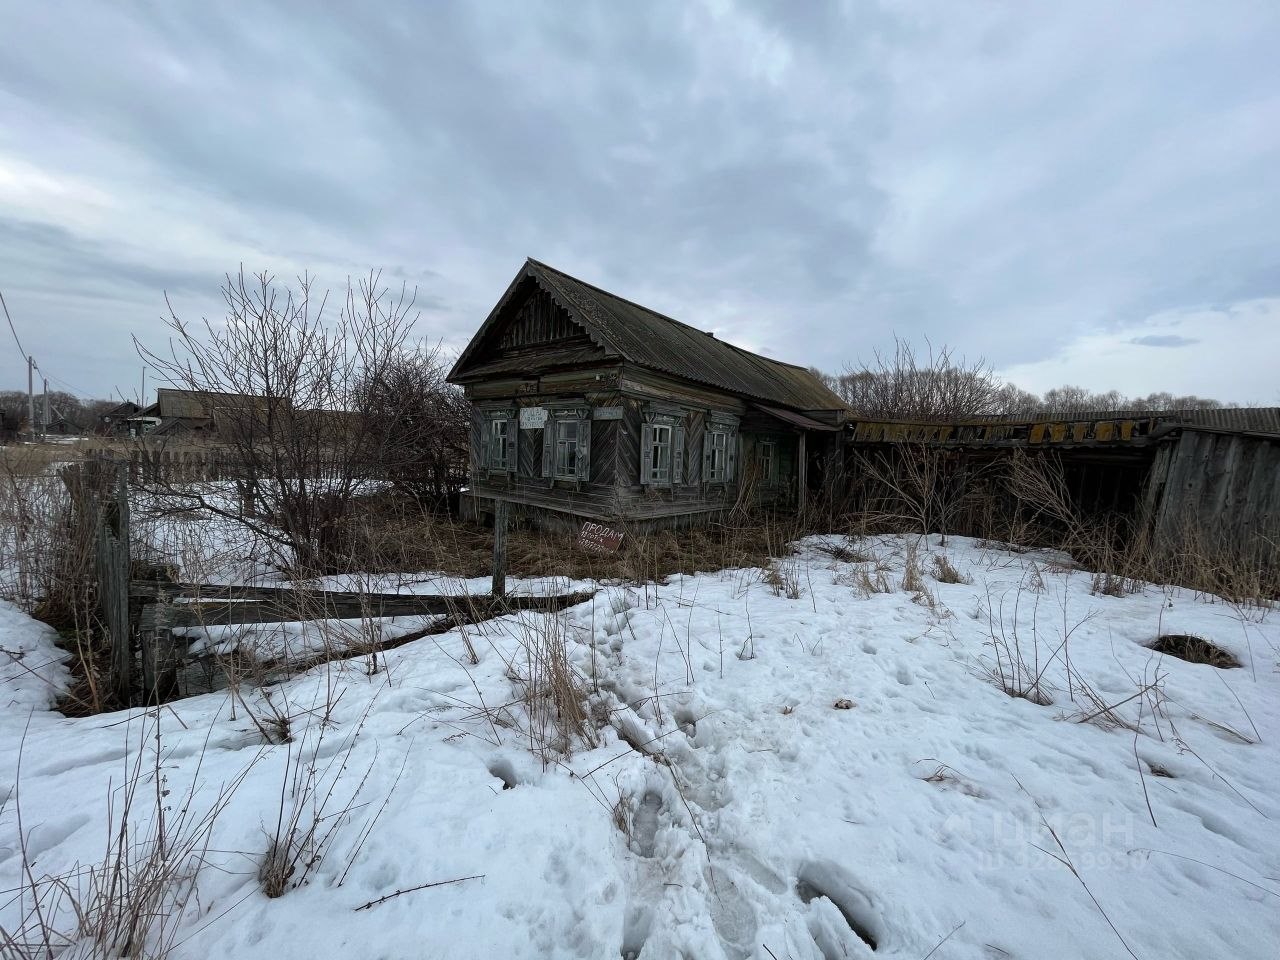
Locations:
(634, 333)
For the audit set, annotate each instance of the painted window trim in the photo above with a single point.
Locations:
(558, 413)
(717, 424)
(557, 470)
(511, 449)
(671, 418)
(726, 467)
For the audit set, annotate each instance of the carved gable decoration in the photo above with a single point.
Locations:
(539, 319)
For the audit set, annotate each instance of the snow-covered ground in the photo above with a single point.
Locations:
(762, 776)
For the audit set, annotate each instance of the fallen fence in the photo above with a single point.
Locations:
(167, 611)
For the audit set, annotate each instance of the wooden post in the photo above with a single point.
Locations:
(802, 473)
(500, 510)
(113, 577)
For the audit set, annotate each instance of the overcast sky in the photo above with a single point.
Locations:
(1080, 192)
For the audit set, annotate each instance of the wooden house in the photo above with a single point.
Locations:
(587, 406)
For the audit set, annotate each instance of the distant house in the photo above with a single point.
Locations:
(118, 421)
(590, 406)
(198, 414)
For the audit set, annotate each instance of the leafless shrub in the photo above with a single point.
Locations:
(302, 408)
(935, 386)
(310, 814)
(1018, 663)
(917, 487)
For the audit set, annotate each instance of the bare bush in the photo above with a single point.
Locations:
(310, 813)
(288, 392)
(425, 422)
(930, 387)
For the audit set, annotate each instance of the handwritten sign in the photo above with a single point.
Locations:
(598, 538)
(533, 418)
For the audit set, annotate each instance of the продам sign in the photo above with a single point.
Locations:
(599, 538)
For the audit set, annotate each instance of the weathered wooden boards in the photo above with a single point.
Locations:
(210, 605)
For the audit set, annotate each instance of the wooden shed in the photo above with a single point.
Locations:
(589, 406)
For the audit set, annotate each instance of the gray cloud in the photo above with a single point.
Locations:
(1164, 340)
(806, 178)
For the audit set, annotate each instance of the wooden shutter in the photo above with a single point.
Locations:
(706, 455)
(731, 455)
(548, 447)
(512, 451)
(584, 447)
(646, 453)
(677, 454)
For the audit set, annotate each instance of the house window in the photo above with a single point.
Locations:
(498, 427)
(765, 460)
(566, 448)
(717, 456)
(659, 454)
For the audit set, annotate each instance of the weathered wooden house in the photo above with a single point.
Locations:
(590, 406)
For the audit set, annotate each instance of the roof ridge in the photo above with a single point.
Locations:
(663, 316)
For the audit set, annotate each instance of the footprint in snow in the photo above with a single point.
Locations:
(635, 931)
(644, 826)
(837, 909)
(501, 768)
(687, 722)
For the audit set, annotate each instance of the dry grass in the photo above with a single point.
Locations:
(391, 536)
(945, 572)
(1027, 504)
(912, 576)
(37, 459)
(554, 694)
(1195, 650)
(133, 901)
(867, 579)
(783, 576)
(47, 563)
(310, 813)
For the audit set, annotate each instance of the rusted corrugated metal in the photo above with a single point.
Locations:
(1095, 429)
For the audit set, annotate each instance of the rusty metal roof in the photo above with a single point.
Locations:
(648, 339)
(1242, 419)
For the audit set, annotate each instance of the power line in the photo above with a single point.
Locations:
(12, 329)
(71, 387)
(26, 356)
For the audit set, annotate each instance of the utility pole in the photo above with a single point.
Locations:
(44, 432)
(31, 396)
